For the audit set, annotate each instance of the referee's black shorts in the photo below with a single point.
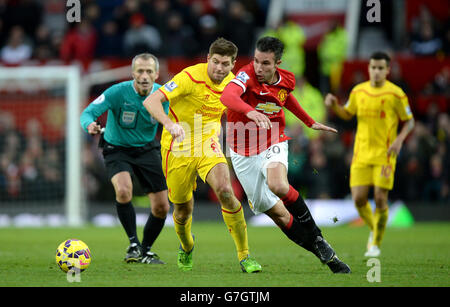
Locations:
(144, 162)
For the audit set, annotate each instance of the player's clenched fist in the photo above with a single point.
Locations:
(330, 100)
(260, 119)
(176, 131)
(94, 128)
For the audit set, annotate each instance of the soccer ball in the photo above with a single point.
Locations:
(72, 254)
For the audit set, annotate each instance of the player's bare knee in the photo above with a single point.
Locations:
(182, 212)
(160, 209)
(278, 188)
(181, 216)
(359, 201)
(225, 194)
(380, 202)
(123, 194)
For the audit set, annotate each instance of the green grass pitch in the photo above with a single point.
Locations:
(411, 257)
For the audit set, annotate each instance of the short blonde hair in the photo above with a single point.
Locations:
(145, 56)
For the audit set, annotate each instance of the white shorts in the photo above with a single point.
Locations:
(252, 174)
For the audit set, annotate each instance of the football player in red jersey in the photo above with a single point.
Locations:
(259, 148)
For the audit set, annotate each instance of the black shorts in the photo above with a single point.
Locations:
(144, 162)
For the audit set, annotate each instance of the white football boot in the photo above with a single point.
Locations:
(373, 251)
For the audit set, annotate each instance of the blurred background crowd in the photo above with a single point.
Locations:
(111, 32)
(38, 30)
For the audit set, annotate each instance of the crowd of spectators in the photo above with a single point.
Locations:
(121, 28)
(319, 163)
(39, 30)
(31, 168)
(428, 35)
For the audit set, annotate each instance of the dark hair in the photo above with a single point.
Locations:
(223, 47)
(271, 44)
(380, 55)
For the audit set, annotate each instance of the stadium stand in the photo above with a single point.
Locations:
(177, 31)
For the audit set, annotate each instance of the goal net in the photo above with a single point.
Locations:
(40, 146)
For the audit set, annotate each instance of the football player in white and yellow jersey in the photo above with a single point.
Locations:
(190, 147)
(379, 105)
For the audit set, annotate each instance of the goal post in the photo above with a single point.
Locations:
(28, 91)
(68, 77)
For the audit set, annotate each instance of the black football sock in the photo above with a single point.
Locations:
(152, 229)
(295, 204)
(297, 233)
(312, 242)
(127, 217)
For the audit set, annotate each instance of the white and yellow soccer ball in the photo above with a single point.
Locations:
(73, 254)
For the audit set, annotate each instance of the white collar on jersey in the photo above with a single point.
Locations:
(278, 81)
(135, 90)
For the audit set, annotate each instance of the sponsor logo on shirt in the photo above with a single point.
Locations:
(268, 107)
(170, 86)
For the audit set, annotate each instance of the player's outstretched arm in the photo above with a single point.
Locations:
(331, 101)
(293, 106)
(319, 126)
(153, 104)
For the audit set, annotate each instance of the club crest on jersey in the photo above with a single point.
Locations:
(170, 86)
(242, 76)
(268, 107)
(282, 95)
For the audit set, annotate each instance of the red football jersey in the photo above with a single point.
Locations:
(243, 135)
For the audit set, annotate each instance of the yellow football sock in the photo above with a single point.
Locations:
(365, 212)
(237, 227)
(183, 231)
(380, 219)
